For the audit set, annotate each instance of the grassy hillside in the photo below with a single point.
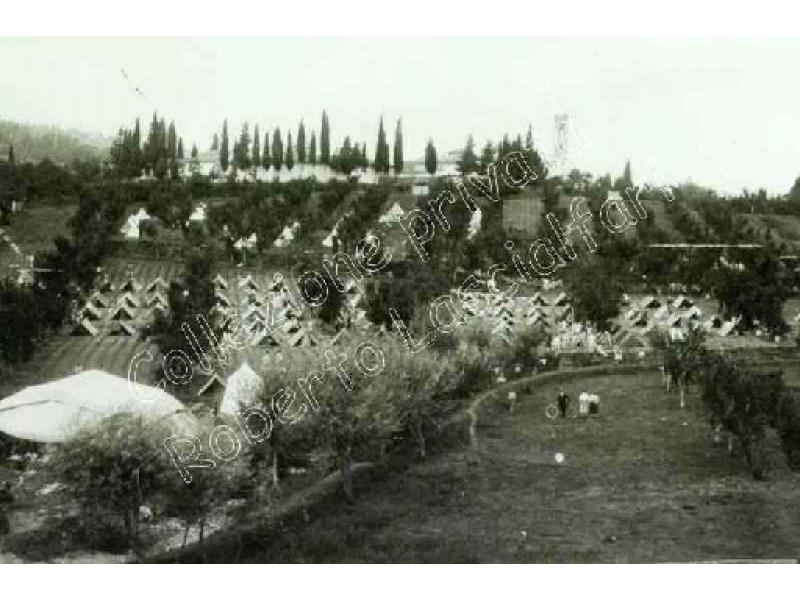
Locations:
(642, 483)
(34, 230)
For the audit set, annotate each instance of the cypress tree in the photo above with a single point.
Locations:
(194, 151)
(312, 149)
(289, 152)
(11, 159)
(266, 160)
(430, 158)
(505, 147)
(381, 151)
(136, 142)
(627, 177)
(223, 147)
(242, 157)
(163, 154)
(215, 141)
(398, 148)
(301, 143)
(469, 162)
(150, 150)
(533, 158)
(172, 143)
(180, 148)
(277, 150)
(487, 157)
(256, 147)
(325, 141)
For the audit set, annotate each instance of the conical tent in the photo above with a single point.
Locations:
(254, 313)
(536, 319)
(129, 300)
(213, 384)
(265, 339)
(632, 314)
(122, 313)
(131, 285)
(222, 299)
(248, 282)
(291, 325)
(125, 329)
(219, 281)
(91, 313)
(243, 389)
(99, 300)
(650, 302)
(157, 300)
(538, 300)
(682, 302)
(301, 338)
(157, 284)
(85, 327)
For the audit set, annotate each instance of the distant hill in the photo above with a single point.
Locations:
(37, 142)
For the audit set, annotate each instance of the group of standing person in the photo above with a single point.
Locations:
(588, 404)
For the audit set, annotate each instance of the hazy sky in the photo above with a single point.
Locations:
(723, 112)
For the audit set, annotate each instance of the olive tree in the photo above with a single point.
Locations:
(114, 467)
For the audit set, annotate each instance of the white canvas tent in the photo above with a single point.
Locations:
(291, 325)
(219, 281)
(561, 300)
(728, 328)
(301, 338)
(536, 318)
(157, 301)
(55, 411)
(129, 300)
(650, 302)
(122, 313)
(248, 282)
(682, 302)
(211, 385)
(242, 389)
(537, 300)
(85, 327)
(91, 313)
(156, 284)
(125, 329)
(99, 300)
(393, 215)
(631, 314)
(131, 285)
(222, 299)
(264, 338)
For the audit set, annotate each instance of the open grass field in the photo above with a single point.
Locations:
(34, 230)
(642, 483)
